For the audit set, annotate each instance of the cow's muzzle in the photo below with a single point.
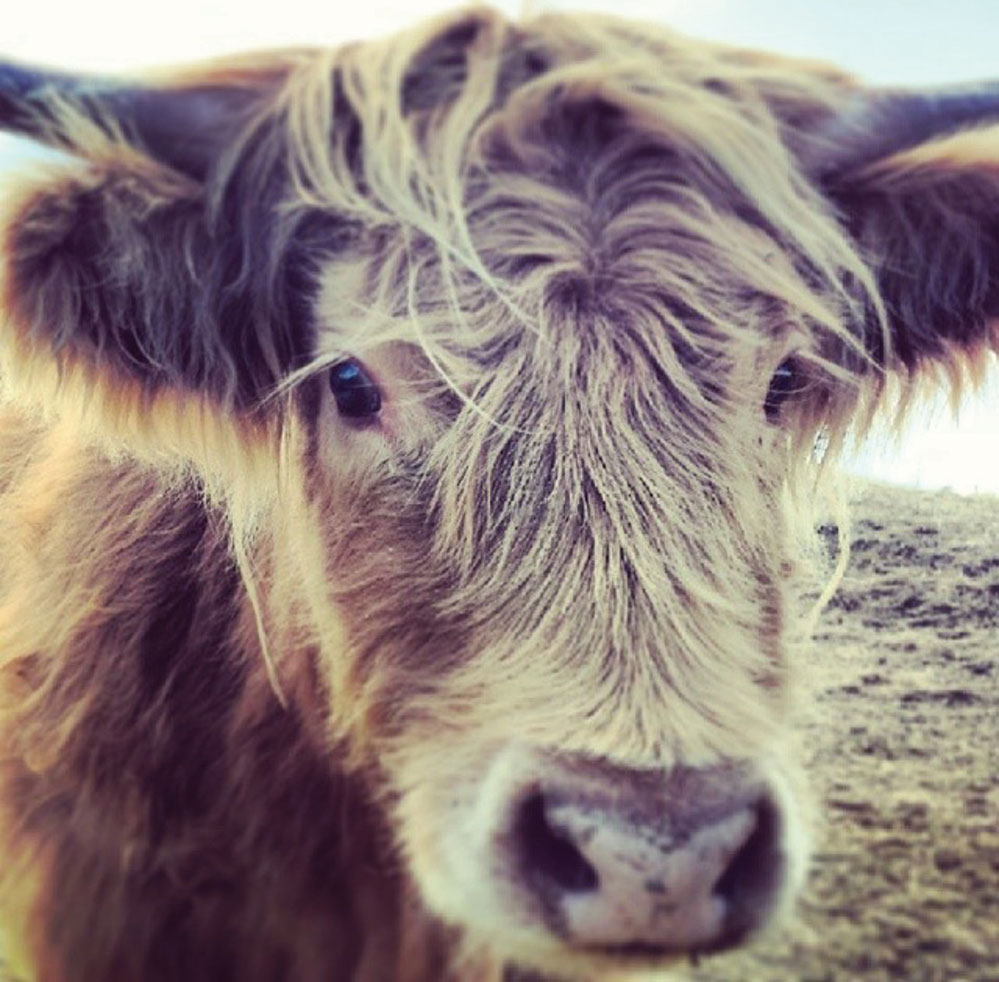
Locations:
(645, 863)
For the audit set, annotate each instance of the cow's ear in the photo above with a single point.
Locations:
(166, 260)
(914, 177)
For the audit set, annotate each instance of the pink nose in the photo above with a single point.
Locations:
(642, 863)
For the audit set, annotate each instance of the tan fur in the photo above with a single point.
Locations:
(573, 252)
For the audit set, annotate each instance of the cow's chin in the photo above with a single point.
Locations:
(464, 831)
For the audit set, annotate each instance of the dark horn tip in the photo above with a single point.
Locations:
(24, 90)
(19, 86)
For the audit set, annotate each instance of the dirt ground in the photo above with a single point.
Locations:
(902, 743)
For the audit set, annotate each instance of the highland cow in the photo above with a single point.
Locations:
(404, 449)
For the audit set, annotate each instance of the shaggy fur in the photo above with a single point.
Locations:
(254, 658)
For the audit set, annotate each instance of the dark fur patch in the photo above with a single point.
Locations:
(189, 838)
(933, 240)
(188, 676)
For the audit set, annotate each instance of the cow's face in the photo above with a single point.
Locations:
(557, 541)
(564, 632)
(560, 314)
(563, 586)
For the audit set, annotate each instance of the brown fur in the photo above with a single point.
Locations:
(254, 659)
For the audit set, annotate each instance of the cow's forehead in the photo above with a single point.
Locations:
(600, 219)
(648, 307)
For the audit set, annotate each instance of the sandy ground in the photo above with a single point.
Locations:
(902, 743)
(901, 736)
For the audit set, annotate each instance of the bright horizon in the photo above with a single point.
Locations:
(887, 42)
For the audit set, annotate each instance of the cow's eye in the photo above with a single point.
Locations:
(784, 383)
(356, 395)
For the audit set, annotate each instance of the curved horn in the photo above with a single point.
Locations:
(876, 124)
(181, 126)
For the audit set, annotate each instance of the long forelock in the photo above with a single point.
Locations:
(500, 164)
(564, 215)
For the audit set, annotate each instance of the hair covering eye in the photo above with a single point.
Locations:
(784, 383)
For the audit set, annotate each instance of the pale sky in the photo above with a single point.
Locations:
(887, 41)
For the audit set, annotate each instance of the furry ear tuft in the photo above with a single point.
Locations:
(133, 278)
(927, 221)
(155, 267)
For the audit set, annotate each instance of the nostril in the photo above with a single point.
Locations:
(548, 854)
(750, 882)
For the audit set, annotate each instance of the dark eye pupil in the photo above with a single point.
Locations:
(784, 383)
(356, 395)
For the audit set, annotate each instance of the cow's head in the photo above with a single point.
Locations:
(508, 347)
